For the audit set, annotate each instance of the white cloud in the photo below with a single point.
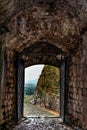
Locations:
(33, 72)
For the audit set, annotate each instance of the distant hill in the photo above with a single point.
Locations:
(47, 92)
(29, 89)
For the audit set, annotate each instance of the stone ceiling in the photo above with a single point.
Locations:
(60, 22)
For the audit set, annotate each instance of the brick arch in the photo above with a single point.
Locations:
(42, 52)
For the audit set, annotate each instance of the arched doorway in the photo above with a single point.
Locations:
(40, 53)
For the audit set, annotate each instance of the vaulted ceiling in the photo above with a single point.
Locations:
(8, 8)
(60, 22)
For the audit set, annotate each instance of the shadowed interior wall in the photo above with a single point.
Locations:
(8, 100)
(77, 93)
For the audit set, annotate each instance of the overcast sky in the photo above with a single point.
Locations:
(33, 72)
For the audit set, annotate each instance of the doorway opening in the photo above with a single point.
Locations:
(42, 91)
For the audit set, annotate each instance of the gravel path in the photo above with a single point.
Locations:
(42, 124)
(37, 111)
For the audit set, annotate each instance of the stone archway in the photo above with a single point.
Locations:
(40, 53)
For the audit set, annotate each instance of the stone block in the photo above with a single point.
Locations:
(84, 92)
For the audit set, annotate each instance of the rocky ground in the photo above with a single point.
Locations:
(43, 123)
(31, 110)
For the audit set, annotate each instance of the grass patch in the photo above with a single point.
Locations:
(27, 99)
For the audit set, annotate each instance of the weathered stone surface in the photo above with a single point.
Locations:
(77, 90)
(60, 23)
(8, 90)
(43, 123)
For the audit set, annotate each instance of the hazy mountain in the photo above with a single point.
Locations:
(32, 82)
(30, 87)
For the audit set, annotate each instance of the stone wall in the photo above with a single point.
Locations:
(0, 76)
(8, 110)
(77, 93)
(2, 80)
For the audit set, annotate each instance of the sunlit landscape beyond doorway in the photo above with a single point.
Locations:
(42, 91)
